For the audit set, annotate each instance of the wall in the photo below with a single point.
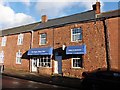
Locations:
(93, 37)
(112, 27)
(36, 38)
(10, 52)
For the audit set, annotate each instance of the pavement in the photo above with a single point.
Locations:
(54, 80)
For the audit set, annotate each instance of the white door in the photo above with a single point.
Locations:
(34, 64)
(58, 65)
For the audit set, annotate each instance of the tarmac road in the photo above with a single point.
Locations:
(15, 83)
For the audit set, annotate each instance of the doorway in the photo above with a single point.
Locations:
(58, 64)
(34, 64)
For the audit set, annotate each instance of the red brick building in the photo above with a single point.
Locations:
(69, 45)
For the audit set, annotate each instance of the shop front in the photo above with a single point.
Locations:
(40, 58)
(76, 53)
(74, 62)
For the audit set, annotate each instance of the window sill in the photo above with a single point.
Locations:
(42, 44)
(19, 44)
(44, 67)
(77, 41)
(77, 68)
(18, 63)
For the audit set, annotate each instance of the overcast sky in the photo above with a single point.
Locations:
(20, 12)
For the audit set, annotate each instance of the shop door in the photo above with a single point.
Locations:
(34, 64)
(58, 65)
(1, 68)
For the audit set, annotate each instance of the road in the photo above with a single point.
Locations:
(11, 82)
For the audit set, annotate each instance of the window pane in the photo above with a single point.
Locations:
(80, 37)
(44, 61)
(3, 41)
(43, 35)
(76, 38)
(77, 61)
(76, 34)
(43, 39)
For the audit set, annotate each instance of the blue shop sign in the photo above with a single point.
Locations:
(41, 51)
(76, 49)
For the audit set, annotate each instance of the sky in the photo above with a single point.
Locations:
(15, 13)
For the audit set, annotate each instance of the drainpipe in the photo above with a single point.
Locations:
(31, 41)
(53, 53)
(31, 45)
(107, 47)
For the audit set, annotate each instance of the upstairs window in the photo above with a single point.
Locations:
(18, 57)
(42, 39)
(76, 34)
(20, 39)
(1, 57)
(4, 39)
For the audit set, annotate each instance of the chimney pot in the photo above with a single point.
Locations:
(44, 18)
(96, 7)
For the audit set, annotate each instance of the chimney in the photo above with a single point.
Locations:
(96, 7)
(44, 18)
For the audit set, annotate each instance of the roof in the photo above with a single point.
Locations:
(114, 13)
(85, 16)
(80, 17)
(20, 29)
(88, 15)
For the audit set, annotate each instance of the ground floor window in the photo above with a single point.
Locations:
(77, 61)
(1, 57)
(44, 61)
(18, 57)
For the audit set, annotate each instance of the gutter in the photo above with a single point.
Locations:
(107, 45)
(31, 45)
(31, 41)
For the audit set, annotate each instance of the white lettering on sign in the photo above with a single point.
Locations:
(38, 51)
(75, 50)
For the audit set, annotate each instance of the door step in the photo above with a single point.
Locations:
(57, 74)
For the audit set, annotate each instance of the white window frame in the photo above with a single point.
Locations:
(20, 39)
(40, 41)
(76, 34)
(1, 57)
(44, 64)
(72, 62)
(4, 39)
(18, 57)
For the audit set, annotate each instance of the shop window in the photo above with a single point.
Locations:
(44, 61)
(20, 39)
(77, 61)
(18, 57)
(42, 39)
(76, 34)
(1, 57)
(4, 39)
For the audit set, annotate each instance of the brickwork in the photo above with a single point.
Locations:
(36, 38)
(112, 25)
(93, 37)
(45, 71)
(10, 52)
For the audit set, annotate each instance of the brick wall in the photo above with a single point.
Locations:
(10, 52)
(93, 37)
(112, 25)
